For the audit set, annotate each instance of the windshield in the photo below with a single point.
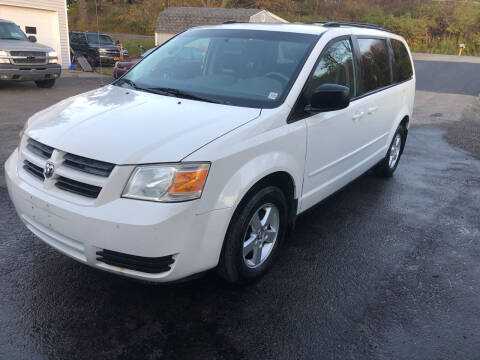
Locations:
(9, 31)
(99, 39)
(146, 53)
(238, 67)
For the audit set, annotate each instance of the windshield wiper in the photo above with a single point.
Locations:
(9, 38)
(131, 83)
(173, 92)
(136, 87)
(186, 95)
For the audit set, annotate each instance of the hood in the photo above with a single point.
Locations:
(17, 45)
(124, 126)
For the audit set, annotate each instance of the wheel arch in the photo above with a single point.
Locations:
(285, 182)
(406, 124)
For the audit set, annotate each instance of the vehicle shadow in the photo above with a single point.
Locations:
(107, 315)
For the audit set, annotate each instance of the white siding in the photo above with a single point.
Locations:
(266, 17)
(60, 7)
(160, 38)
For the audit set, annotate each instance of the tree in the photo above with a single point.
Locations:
(215, 3)
(82, 11)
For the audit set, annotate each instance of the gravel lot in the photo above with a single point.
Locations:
(381, 270)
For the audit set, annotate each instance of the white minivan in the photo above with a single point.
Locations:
(204, 153)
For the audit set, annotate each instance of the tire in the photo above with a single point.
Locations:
(248, 254)
(388, 165)
(45, 84)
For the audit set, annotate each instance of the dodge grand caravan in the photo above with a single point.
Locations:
(188, 164)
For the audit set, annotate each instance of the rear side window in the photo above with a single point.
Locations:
(375, 64)
(402, 66)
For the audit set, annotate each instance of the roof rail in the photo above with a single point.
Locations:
(353, 24)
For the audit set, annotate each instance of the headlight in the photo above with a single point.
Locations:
(167, 183)
(4, 54)
(52, 57)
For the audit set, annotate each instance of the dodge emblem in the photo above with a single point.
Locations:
(49, 169)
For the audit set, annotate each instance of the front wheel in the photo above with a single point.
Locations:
(255, 232)
(389, 164)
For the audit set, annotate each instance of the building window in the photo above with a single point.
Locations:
(31, 30)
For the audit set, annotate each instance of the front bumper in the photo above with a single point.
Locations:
(10, 72)
(108, 59)
(133, 227)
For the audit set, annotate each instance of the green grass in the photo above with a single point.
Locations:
(446, 46)
(104, 70)
(134, 50)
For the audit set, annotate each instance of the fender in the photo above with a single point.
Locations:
(243, 157)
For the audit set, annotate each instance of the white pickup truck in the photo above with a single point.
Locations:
(22, 59)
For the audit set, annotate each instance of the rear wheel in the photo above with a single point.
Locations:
(255, 232)
(45, 83)
(389, 164)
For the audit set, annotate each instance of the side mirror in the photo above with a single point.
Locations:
(32, 38)
(329, 97)
(117, 42)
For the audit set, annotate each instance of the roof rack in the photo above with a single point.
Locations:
(352, 24)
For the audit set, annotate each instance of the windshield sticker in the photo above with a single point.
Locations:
(272, 96)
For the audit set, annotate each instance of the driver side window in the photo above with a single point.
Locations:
(335, 67)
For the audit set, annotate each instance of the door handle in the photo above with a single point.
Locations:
(372, 110)
(358, 116)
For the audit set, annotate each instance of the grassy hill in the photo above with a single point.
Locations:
(433, 26)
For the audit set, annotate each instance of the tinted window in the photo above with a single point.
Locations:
(9, 31)
(335, 67)
(402, 66)
(375, 64)
(99, 39)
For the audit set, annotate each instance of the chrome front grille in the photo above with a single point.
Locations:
(27, 53)
(76, 174)
(28, 57)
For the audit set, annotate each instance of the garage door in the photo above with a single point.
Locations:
(43, 24)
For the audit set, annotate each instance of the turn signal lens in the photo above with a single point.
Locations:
(188, 182)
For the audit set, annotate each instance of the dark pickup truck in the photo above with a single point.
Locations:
(97, 48)
(21, 59)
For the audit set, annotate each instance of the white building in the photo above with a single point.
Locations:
(177, 19)
(44, 19)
